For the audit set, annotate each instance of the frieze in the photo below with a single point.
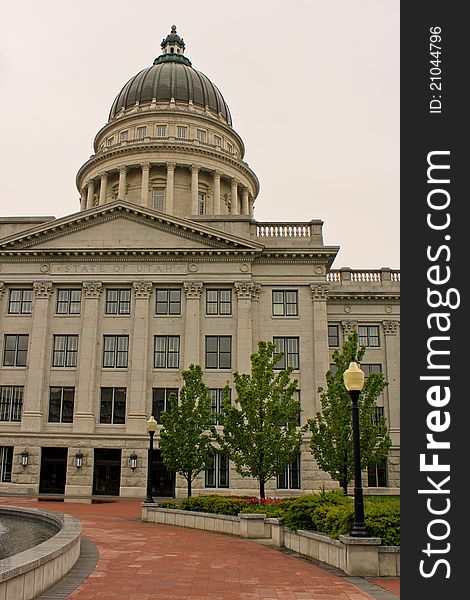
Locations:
(193, 289)
(142, 289)
(42, 289)
(247, 290)
(161, 268)
(92, 289)
(390, 327)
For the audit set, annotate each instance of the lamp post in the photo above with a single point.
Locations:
(354, 382)
(151, 428)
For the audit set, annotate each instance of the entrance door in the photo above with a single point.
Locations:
(107, 472)
(163, 480)
(53, 470)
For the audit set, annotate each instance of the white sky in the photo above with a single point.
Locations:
(312, 85)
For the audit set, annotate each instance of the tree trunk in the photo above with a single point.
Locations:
(262, 493)
(189, 486)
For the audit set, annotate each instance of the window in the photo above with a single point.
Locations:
(218, 302)
(20, 302)
(201, 203)
(229, 147)
(161, 130)
(161, 400)
(111, 141)
(290, 478)
(369, 336)
(61, 404)
(296, 396)
(217, 140)
(218, 352)
(124, 136)
(11, 402)
(182, 132)
(115, 351)
(15, 350)
(6, 461)
(68, 302)
(289, 346)
(377, 474)
(141, 132)
(217, 471)
(158, 198)
(167, 352)
(200, 135)
(113, 405)
(118, 302)
(217, 403)
(168, 302)
(377, 414)
(64, 350)
(370, 368)
(285, 303)
(333, 336)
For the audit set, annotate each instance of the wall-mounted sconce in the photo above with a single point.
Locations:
(79, 459)
(25, 458)
(133, 461)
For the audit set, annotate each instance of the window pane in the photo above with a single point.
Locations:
(67, 405)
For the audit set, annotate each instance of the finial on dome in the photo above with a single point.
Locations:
(172, 49)
(173, 29)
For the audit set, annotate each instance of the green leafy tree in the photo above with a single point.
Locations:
(188, 430)
(260, 433)
(331, 443)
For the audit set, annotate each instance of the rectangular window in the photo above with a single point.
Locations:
(118, 302)
(6, 462)
(217, 140)
(111, 141)
(113, 405)
(64, 350)
(217, 403)
(290, 478)
(377, 414)
(158, 198)
(289, 346)
(15, 350)
(217, 471)
(167, 352)
(200, 135)
(377, 474)
(115, 351)
(11, 402)
(369, 368)
(229, 147)
(161, 400)
(219, 302)
(61, 404)
(296, 396)
(285, 303)
(20, 302)
(218, 352)
(124, 136)
(68, 302)
(141, 132)
(333, 336)
(182, 132)
(369, 336)
(201, 203)
(168, 302)
(161, 130)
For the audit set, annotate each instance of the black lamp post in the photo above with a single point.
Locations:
(151, 428)
(354, 382)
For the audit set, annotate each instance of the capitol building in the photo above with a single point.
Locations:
(163, 265)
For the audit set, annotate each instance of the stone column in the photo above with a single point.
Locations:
(245, 207)
(194, 188)
(83, 199)
(144, 191)
(245, 290)
(86, 395)
(137, 400)
(216, 193)
(251, 211)
(392, 372)
(34, 398)
(321, 353)
(193, 291)
(234, 197)
(103, 188)
(90, 194)
(170, 186)
(122, 183)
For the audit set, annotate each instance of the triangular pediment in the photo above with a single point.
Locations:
(122, 226)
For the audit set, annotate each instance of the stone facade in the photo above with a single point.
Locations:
(163, 262)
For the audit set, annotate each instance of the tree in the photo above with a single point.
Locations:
(331, 443)
(261, 434)
(188, 430)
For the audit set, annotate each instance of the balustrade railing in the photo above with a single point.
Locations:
(363, 276)
(283, 230)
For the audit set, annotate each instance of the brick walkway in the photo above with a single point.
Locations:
(145, 561)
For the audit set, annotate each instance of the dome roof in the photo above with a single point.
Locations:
(171, 77)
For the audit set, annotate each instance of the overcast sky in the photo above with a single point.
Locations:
(312, 85)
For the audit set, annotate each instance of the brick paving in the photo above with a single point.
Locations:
(147, 561)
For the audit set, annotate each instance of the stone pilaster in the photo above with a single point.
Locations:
(321, 354)
(122, 183)
(37, 353)
(392, 362)
(194, 189)
(90, 194)
(193, 291)
(348, 328)
(216, 193)
(246, 291)
(144, 191)
(83, 199)
(245, 207)
(85, 397)
(103, 188)
(170, 186)
(234, 197)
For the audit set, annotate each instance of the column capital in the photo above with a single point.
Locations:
(145, 165)
(349, 327)
(142, 289)
(92, 289)
(171, 165)
(192, 289)
(216, 174)
(234, 181)
(195, 169)
(2, 288)
(247, 290)
(122, 169)
(319, 292)
(391, 327)
(42, 289)
(104, 175)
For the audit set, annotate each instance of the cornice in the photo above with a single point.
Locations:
(354, 298)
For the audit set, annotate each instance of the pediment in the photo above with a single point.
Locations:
(121, 226)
